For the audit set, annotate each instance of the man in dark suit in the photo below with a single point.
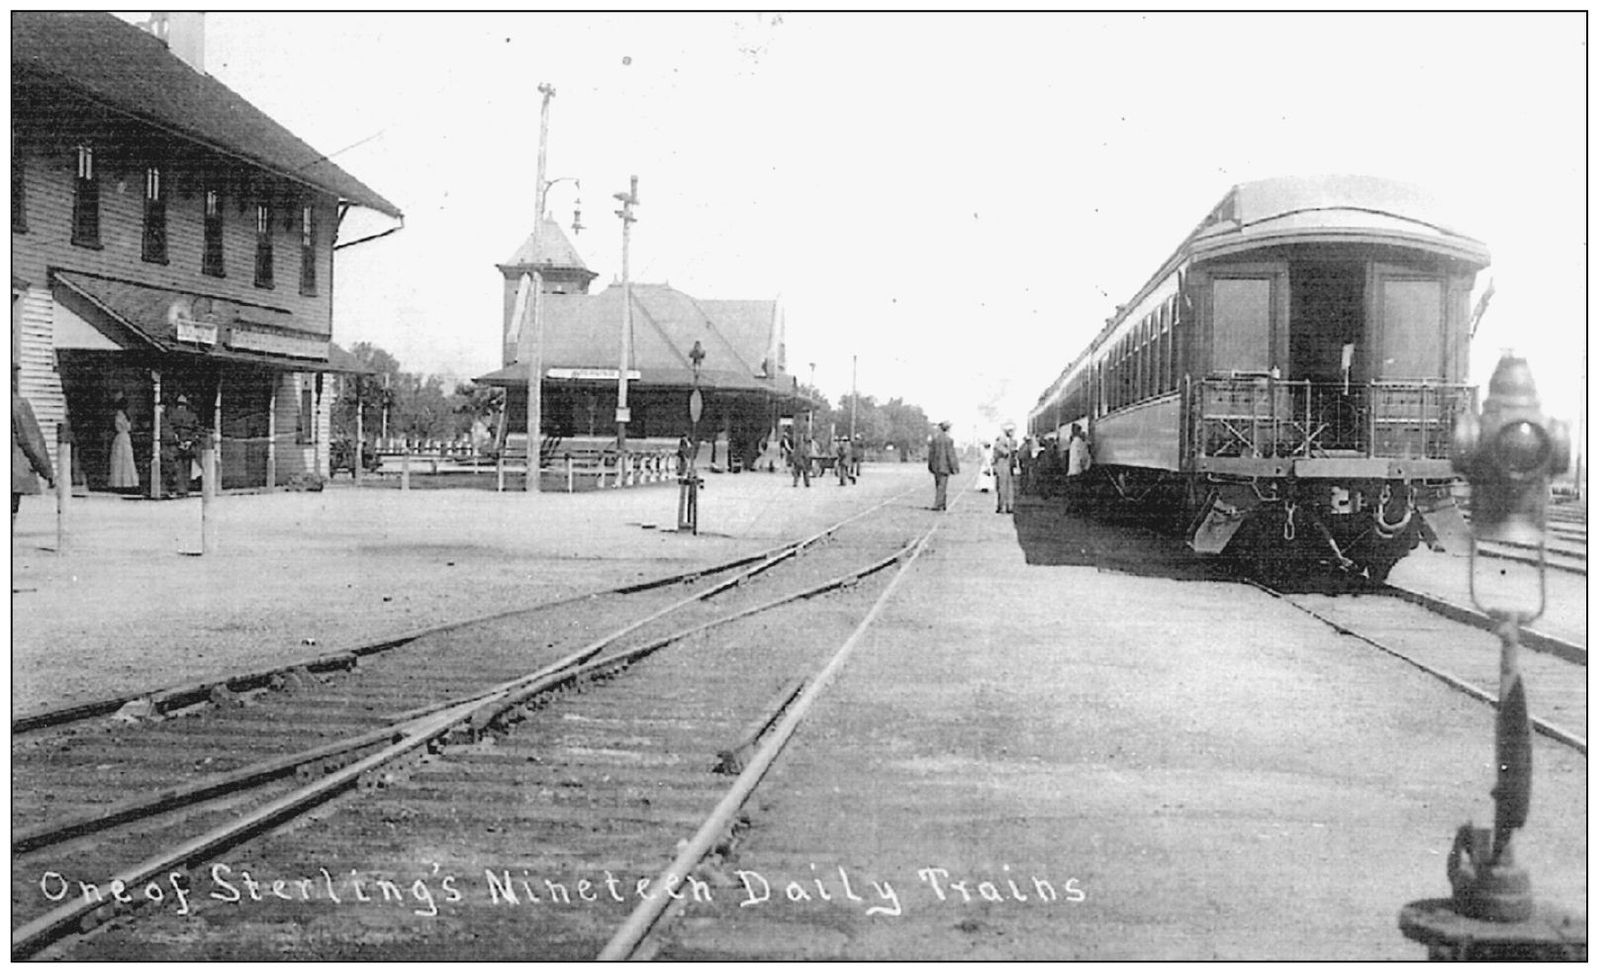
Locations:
(942, 463)
(28, 451)
(180, 433)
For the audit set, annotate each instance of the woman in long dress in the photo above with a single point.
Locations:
(123, 473)
(986, 474)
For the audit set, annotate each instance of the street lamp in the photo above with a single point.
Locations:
(575, 219)
(688, 508)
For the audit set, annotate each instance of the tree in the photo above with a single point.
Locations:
(477, 405)
(373, 389)
(909, 428)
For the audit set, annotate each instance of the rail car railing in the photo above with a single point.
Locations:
(1261, 416)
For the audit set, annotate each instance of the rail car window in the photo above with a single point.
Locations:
(1241, 324)
(1151, 354)
(1142, 381)
(1411, 329)
(1131, 364)
(1165, 352)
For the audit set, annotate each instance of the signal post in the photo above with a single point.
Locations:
(1509, 454)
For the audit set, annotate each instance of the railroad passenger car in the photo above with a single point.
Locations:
(1286, 383)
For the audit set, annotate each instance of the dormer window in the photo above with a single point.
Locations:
(265, 247)
(154, 242)
(86, 200)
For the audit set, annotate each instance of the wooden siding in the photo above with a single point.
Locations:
(38, 381)
(48, 166)
(47, 244)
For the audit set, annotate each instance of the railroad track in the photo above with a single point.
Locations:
(1564, 557)
(440, 799)
(1460, 651)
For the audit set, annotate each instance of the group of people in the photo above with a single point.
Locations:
(1037, 463)
(30, 457)
(848, 453)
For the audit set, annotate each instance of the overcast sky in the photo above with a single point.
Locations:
(958, 200)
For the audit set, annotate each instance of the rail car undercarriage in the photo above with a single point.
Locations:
(1281, 526)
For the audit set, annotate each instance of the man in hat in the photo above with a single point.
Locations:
(1004, 454)
(180, 430)
(942, 463)
(799, 459)
(28, 450)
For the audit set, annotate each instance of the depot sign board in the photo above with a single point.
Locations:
(591, 373)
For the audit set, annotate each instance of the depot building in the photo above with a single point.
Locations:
(170, 239)
(741, 378)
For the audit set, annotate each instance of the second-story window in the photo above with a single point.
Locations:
(154, 243)
(265, 247)
(310, 284)
(212, 244)
(86, 200)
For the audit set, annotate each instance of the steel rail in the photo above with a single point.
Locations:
(1543, 726)
(173, 697)
(409, 737)
(1543, 643)
(640, 923)
(268, 770)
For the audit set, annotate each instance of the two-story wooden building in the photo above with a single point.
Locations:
(168, 238)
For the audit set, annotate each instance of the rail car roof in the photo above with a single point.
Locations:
(1265, 211)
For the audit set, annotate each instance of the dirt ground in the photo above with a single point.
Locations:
(1189, 770)
(1165, 767)
(295, 575)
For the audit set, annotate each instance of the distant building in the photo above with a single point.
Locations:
(168, 237)
(742, 379)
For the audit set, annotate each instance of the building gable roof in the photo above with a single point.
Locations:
(126, 69)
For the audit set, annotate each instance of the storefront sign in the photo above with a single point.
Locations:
(591, 373)
(188, 326)
(274, 343)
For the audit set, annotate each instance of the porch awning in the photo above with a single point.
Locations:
(183, 323)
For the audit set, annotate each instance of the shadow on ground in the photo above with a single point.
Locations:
(1124, 542)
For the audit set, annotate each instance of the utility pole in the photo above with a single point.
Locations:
(531, 323)
(810, 418)
(853, 395)
(623, 413)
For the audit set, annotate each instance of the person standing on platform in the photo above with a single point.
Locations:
(123, 475)
(1025, 465)
(179, 432)
(29, 452)
(942, 464)
(800, 460)
(1078, 464)
(841, 457)
(857, 455)
(1004, 454)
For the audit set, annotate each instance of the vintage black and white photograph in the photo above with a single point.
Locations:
(810, 486)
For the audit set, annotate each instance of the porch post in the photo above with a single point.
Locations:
(217, 439)
(357, 449)
(156, 433)
(318, 405)
(273, 399)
